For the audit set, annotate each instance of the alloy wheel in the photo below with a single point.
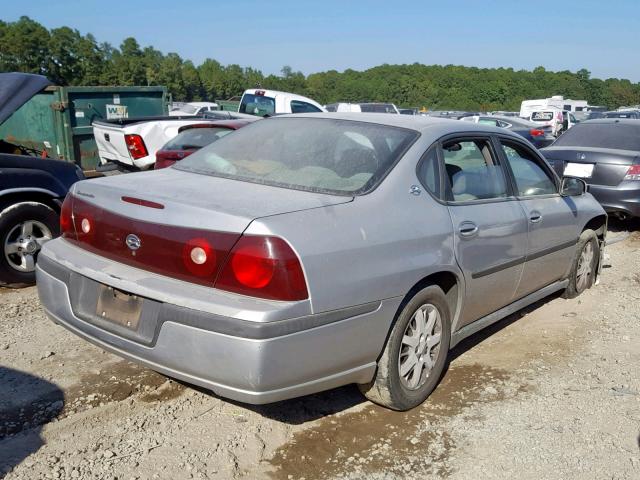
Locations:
(23, 243)
(420, 346)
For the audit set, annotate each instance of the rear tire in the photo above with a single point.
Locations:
(415, 354)
(24, 227)
(585, 265)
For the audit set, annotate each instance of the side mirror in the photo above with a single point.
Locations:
(572, 187)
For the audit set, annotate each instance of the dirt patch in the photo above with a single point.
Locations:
(114, 383)
(363, 441)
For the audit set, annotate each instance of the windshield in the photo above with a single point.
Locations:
(196, 137)
(257, 105)
(601, 135)
(320, 155)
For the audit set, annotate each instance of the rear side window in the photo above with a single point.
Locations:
(316, 154)
(195, 138)
(428, 172)
(531, 178)
(623, 136)
(303, 107)
(542, 116)
(472, 171)
(257, 105)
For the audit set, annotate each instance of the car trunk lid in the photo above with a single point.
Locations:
(608, 166)
(158, 221)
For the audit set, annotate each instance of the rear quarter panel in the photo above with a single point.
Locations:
(376, 247)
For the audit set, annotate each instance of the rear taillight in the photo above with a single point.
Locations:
(66, 219)
(135, 145)
(166, 158)
(257, 266)
(265, 267)
(633, 173)
(536, 132)
(188, 254)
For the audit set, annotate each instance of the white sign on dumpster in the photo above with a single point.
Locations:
(117, 111)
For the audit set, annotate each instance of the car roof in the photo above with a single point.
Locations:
(436, 125)
(623, 121)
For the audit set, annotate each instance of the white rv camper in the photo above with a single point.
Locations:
(557, 102)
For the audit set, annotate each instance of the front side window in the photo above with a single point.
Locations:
(303, 107)
(488, 121)
(472, 171)
(531, 178)
(315, 154)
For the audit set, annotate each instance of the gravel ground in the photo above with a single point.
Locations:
(550, 392)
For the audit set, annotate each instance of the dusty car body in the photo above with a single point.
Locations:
(347, 248)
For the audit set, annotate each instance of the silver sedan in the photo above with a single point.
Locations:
(306, 252)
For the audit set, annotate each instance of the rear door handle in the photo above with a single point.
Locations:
(467, 229)
(535, 217)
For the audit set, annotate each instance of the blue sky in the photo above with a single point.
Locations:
(603, 37)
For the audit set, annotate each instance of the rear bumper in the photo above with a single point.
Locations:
(624, 197)
(252, 362)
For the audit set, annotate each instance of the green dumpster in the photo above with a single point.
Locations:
(57, 121)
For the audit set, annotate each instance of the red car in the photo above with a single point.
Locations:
(191, 138)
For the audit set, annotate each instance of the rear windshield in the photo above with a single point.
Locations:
(195, 138)
(542, 116)
(377, 108)
(257, 105)
(621, 115)
(601, 135)
(321, 155)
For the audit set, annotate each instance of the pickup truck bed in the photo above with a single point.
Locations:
(154, 131)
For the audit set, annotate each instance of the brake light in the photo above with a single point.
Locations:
(536, 132)
(142, 202)
(265, 267)
(633, 173)
(135, 145)
(66, 219)
(188, 254)
(260, 93)
(253, 265)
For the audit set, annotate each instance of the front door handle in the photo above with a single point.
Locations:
(535, 217)
(467, 229)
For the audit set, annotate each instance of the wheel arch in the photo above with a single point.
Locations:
(451, 284)
(43, 196)
(598, 224)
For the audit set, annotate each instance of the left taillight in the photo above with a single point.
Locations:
(536, 132)
(264, 267)
(67, 229)
(135, 145)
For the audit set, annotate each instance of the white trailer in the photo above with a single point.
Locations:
(557, 102)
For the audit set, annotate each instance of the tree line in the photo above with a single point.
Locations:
(67, 57)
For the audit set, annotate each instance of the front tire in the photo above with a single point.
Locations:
(415, 354)
(585, 265)
(24, 228)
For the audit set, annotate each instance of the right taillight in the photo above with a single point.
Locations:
(135, 145)
(536, 132)
(265, 267)
(633, 173)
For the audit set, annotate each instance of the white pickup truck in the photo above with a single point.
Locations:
(131, 143)
(260, 102)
